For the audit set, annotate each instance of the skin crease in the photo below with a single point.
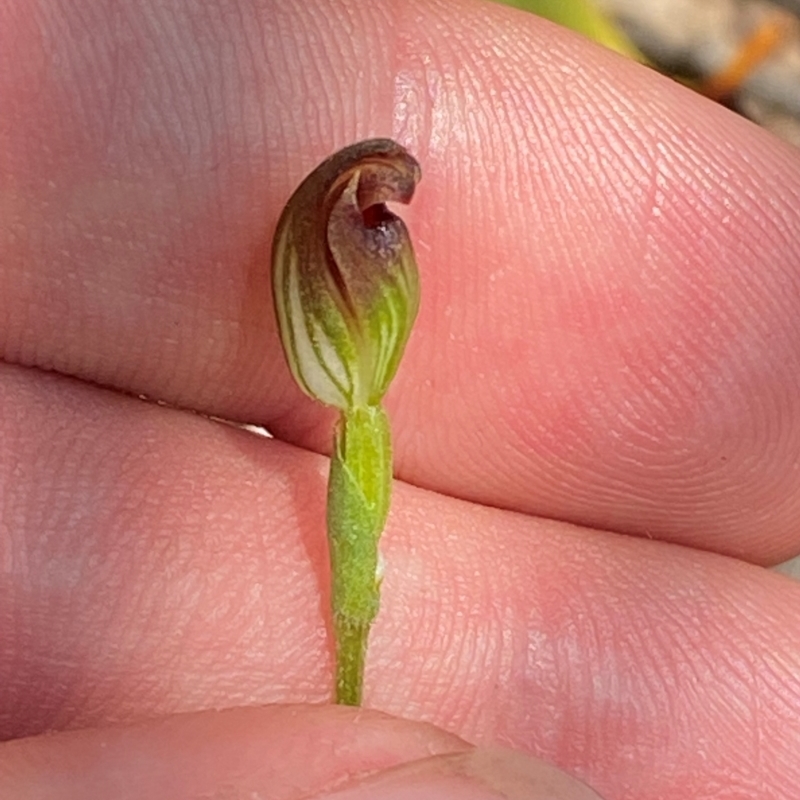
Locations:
(608, 336)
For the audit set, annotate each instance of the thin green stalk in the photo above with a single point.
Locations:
(359, 487)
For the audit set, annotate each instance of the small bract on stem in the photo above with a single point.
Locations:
(346, 294)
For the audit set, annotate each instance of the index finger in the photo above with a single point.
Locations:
(609, 326)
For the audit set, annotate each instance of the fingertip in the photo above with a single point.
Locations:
(276, 752)
(488, 773)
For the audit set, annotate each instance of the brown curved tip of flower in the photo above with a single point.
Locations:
(344, 276)
(387, 173)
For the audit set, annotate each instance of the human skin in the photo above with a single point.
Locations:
(596, 421)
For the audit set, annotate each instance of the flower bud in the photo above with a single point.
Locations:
(344, 278)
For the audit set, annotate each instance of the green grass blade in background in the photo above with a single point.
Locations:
(583, 17)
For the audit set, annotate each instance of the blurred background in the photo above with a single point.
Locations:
(742, 53)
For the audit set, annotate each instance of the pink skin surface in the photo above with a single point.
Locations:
(609, 338)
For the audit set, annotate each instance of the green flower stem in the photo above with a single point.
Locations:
(359, 488)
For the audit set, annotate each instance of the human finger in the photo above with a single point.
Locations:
(277, 753)
(609, 329)
(156, 562)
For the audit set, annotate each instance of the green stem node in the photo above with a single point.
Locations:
(359, 488)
